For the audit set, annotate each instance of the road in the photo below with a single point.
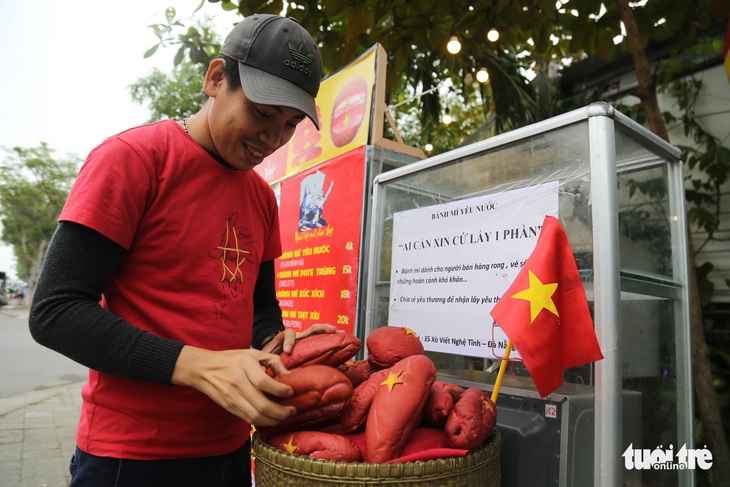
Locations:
(27, 366)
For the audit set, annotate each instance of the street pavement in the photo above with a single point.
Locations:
(37, 431)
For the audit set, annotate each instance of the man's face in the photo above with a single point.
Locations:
(244, 133)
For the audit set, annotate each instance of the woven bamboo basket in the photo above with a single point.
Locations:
(276, 468)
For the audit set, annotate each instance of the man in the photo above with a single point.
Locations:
(160, 276)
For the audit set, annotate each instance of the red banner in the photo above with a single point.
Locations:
(320, 212)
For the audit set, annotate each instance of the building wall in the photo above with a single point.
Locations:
(713, 112)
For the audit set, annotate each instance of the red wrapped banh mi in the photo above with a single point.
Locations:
(315, 387)
(317, 444)
(397, 407)
(355, 412)
(389, 344)
(333, 349)
(441, 400)
(320, 392)
(472, 420)
(357, 370)
(315, 419)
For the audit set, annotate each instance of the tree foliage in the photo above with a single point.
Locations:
(179, 93)
(533, 33)
(535, 36)
(34, 186)
(198, 42)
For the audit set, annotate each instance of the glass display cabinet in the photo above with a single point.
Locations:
(618, 192)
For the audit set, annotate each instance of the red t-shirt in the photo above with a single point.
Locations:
(196, 232)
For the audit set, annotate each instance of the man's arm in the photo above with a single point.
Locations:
(65, 314)
(267, 321)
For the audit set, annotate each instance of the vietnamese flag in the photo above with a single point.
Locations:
(545, 311)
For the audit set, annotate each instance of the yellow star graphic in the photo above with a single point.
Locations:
(290, 448)
(539, 295)
(487, 405)
(392, 380)
(409, 331)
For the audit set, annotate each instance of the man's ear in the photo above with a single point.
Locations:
(214, 77)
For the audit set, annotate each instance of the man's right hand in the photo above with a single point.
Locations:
(237, 381)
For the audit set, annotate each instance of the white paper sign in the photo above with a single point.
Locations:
(451, 263)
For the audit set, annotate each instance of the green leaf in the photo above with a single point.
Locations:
(179, 56)
(149, 52)
(360, 19)
(170, 14)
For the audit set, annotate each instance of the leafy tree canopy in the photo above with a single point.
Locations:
(535, 36)
(176, 95)
(532, 34)
(33, 189)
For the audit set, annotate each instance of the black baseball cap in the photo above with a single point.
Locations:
(278, 62)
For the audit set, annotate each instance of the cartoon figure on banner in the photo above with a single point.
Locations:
(313, 198)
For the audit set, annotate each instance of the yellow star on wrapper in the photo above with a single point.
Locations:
(539, 295)
(487, 405)
(410, 332)
(290, 448)
(392, 380)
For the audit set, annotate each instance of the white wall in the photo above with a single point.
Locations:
(713, 112)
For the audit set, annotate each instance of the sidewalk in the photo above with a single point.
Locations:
(15, 310)
(37, 432)
(37, 437)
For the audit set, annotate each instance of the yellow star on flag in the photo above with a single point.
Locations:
(290, 447)
(392, 380)
(539, 295)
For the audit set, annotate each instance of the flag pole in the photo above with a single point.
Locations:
(502, 369)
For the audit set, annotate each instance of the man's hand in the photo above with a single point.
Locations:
(285, 340)
(237, 381)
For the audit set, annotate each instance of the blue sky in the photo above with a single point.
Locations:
(65, 68)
